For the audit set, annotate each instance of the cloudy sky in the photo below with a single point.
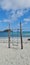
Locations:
(15, 11)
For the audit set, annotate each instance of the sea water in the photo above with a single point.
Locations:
(15, 34)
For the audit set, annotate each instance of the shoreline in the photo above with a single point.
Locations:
(5, 39)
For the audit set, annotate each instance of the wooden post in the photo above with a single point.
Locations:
(21, 36)
(9, 36)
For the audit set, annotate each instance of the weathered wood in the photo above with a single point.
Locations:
(21, 36)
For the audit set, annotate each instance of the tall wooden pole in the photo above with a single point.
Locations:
(21, 36)
(9, 36)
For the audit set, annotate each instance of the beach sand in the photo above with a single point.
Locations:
(14, 55)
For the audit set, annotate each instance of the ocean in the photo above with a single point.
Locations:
(15, 34)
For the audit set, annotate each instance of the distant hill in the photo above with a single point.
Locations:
(7, 30)
(1, 31)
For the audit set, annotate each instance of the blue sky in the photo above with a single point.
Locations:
(14, 12)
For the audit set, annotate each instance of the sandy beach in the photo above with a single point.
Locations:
(14, 55)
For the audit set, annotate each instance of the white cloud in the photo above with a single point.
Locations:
(5, 20)
(27, 19)
(14, 4)
(15, 15)
(19, 13)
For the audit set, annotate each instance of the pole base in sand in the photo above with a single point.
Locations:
(21, 47)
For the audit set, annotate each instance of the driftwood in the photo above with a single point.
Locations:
(28, 39)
